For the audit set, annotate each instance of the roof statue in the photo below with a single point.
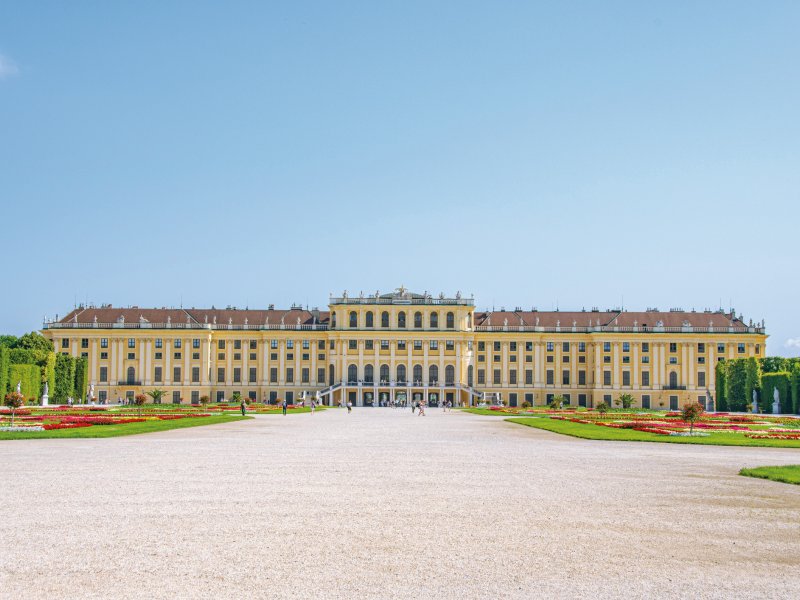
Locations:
(659, 323)
(245, 320)
(537, 321)
(169, 320)
(188, 319)
(401, 291)
(298, 320)
(574, 323)
(121, 319)
(458, 295)
(266, 321)
(344, 294)
(686, 323)
(215, 319)
(95, 319)
(558, 323)
(230, 320)
(441, 295)
(142, 319)
(361, 294)
(75, 318)
(505, 322)
(282, 317)
(635, 323)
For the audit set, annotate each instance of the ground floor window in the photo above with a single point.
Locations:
(512, 399)
(607, 399)
(195, 397)
(289, 397)
(273, 397)
(646, 401)
(103, 397)
(351, 397)
(566, 399)
(449, 396)
(673, 403)
(581, 399)
(176, 397)
(252, 395)
(220, 396)
(529, 399)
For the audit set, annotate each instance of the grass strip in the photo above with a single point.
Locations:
(787, 474)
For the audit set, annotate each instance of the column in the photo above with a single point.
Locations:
(635, 366)
(690, 366)
(140, 350)
(148, 361)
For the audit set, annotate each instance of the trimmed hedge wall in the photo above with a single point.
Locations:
(4, 364)
(65, 378)
(783, 383)
(81, 375)
(720, 385)
(30, 376)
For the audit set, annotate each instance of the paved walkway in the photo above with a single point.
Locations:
(381, 504)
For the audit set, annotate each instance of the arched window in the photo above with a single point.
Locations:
(369, 319)
(352, 374)
(451, 320)
(401, 319)
(434, 320)
(385, 320)
(384, 373)
(131, 375)
(673, 380)
(469, 376)
(433, 375)
(333, 321)
(449, 375)
(353, 319)
(401, 373)
(417, 374)
(369, 374)
(331, 374)
(417, 320)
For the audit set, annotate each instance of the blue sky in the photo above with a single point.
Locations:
(572, 154)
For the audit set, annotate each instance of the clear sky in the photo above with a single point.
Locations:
(575, 154)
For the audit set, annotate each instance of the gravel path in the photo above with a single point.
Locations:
(381, 504)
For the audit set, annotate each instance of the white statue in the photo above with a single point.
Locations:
(46, 389)
(19, 387)
(776, 401)
(755, 401)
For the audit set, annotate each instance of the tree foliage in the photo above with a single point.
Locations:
(624, 400)
(64, 378)
(81, 376)
(13, 400)
(720, 384)
(783, 383)
(157, 394)
(691, 413)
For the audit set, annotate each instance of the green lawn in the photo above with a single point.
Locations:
(787, 474)
(595, 432)
(104, 431)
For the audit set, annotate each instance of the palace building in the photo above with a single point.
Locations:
(401, 346)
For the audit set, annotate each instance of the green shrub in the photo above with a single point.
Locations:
(4, 364)
(65, 378)
(30, 377)
(720, 384)
(782, 382)
(81, 373)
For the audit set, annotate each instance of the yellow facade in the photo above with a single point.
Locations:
(402, 346)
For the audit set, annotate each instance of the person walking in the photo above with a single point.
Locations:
(313, 406)
(284, 405)
(421, 409)
(413, 407)
(349, 407)
(243, 406)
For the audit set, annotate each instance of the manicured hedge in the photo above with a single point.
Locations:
(30, 376)
(782, 382)
(720, 385)
(81, 373)
(4, 364)
(65, 378)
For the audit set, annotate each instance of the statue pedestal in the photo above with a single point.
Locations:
(45, 400)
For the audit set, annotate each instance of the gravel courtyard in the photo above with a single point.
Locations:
(383, 504)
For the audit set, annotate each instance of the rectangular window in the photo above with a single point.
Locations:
(673, 360)
(606, 359)
(221, 375)
(550, 346)
(384, 344)
(369, 345)
(481, 358)
(290, 344)
(273, 356)
(65, 342)
(401, 345)
(581, 377)
(496, 358)
(550, 377)
(673, 403)
(104, 342)
(237, 344)
(103, 374)
(701, 360)
(289, 375)
(273, 397)
(195, 343)
(481, 377)
(606, 377)
(252, 375)
(496, 377)
(645, 400)
(195, 374)
(177, 343)
(177, 355)
(273, 375)
(565, 358)
(417, 344)
(565, 377)
(701, 348)
(645, 347)
(512, 377)
(253, 356)
(528, 358)
(626, 346)
(673, 347)
(131, 356)
(131, 343)
(626, 360)
(582, 400)
(321, 375)
(306, 345)
(321, 356)
(565, 346)
(606, 346)
(497, 346)
(332, 345)
(237, 356)
(512, 346)
(581, 346)
(321, 345)
(528, 376)
(449, 345)
(157, 374)
(481, 346)
(195, 397)
(512, 358)
(159, 343)
(529, 399)
(84, 342)
(645, 360)
(304, 375)
(721, 348)
(582, 359)
(220, 395)
(740, 348)
(646, 378)
(701, 379)
(274, 344)
(434, 345)
(176, 397)
(626, 378)
(352, 344)
(550, 358)
(176, 374)
(528, 346)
